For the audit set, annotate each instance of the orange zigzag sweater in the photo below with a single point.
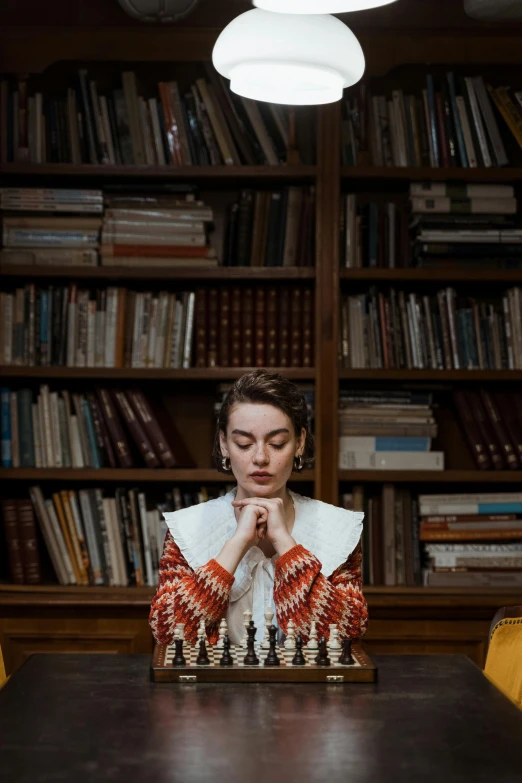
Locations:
(301, 594)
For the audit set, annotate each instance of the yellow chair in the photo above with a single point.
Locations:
(504, 661)
(3, 678)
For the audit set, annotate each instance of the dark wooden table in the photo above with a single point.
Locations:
(96, 718)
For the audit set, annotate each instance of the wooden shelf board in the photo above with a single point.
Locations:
(140, 597)
(441, 275)
(424, 173)
(139, 475)
(431, 375)
(128, 373)
(160, 273)
(159, 172)
(432, 476)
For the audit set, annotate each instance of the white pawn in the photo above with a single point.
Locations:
(269, 616)
(181, 627)
(334, 645)
(312, 645)
(246, 622)
(223, 630)
(202, 632)
(289, 650)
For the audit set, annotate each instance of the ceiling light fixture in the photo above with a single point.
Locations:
(318, 6)
(282, 58)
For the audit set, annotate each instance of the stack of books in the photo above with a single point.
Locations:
(469, 226)
(68, 240)
(387, 430)
(92, 537)
(271, 228)
(452, 121)
(443, 332)
(102, 428)
(471, 520)
(207, 124)
(492, 425)
(156, 230)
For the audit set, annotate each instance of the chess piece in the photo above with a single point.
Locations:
(289, 645)
(223, 630)
(179, 658)
(181, 627)
(202, 631)
(346, 657)
(322, 658)
(334, 645)
(269, 616)
(312, 645)
(226, 658)
(202, 659)
(272, 659)
(251, 658)
(247, 616)
(298, 659)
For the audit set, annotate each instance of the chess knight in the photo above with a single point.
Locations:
(261, 547)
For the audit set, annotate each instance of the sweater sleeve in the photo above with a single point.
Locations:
(303, 594)
(187, 596)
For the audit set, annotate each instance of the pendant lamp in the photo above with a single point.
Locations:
(318, 6)
(286, 58)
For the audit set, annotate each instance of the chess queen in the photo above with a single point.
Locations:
(261, 547)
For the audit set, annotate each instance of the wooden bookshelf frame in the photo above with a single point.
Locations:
(402, 619)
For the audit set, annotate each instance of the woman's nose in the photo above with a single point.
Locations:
(261, 454)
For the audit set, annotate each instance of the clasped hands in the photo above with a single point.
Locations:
(261, 518)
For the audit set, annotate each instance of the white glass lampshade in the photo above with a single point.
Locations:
(318, 6)
(283, 58)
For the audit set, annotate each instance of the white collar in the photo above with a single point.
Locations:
(328, 532)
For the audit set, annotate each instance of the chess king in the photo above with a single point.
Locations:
(261, 547)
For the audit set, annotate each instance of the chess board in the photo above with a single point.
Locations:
(162, 670)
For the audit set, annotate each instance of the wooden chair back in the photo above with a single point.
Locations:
(3, 678)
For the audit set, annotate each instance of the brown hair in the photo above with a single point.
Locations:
(267, 388)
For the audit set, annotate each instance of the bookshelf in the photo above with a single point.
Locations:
(403, 619)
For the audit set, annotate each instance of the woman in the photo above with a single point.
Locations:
(261, 546)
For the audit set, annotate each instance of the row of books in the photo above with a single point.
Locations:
(100, 428)
(387, 430)
(91, 537)
(442, 332)
(472, 540)
(465, 540)
(492, 425)
(451, 121)
(271, 228)
(116, 327)
(204, 124)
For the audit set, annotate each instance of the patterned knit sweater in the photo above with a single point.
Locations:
(301, 594)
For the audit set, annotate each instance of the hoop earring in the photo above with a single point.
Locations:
(298, 463)
(224, 465)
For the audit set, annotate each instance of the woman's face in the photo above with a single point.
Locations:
(262, 445)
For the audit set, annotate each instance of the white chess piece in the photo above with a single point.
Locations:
(289, 650)
(246, 622)
(269, 616)
(334, 645)
(312, 644)
(181, 627)
(202, 631)
(223, 630)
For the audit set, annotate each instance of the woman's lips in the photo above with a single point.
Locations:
(262, 479)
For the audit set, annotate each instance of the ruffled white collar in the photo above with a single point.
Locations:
(328, 532)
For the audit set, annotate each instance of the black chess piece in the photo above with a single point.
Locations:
(299, 659)
(322, 659)
(226, 658)
(272, 659)
(202, 659)
(179, 658)
(346, 656)
(251, 658)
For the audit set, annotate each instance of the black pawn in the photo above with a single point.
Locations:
(322, 659)
(346, 656)
(299, 659)
(226, 658)
(272, 659)
(202, 659)
(179, 659)
(251, 658)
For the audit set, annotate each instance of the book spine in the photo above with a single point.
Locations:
(247, 326)
(13, 541)
(212, 354)
(296, 327)
(224, 328)
(135, 428)
(472, 432)
(202, 335)
(259, 327)
(114, 429)
(144, 414)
